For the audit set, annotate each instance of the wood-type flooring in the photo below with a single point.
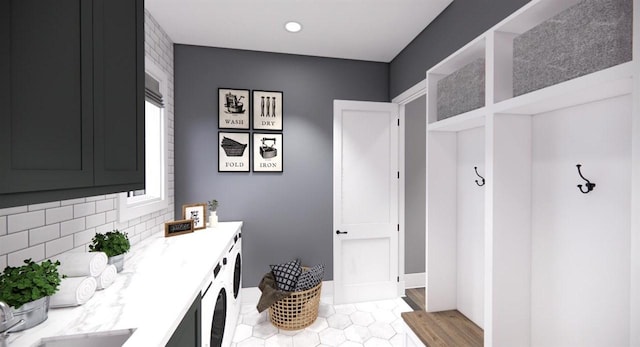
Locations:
(440, 329)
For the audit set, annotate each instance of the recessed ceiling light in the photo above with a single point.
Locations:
(293, 27)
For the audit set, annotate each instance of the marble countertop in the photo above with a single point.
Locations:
(161, 278)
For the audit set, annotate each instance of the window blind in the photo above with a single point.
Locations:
(152, 90)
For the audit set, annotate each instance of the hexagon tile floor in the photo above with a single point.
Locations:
(368, 324)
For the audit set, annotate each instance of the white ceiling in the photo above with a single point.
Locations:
(374, 30)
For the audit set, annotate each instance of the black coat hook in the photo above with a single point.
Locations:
(482, 178)
(588, 185)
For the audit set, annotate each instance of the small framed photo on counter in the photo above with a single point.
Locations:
(267, 110)
(197, 213)
(267, 152)
(233, 108)
(178, 227)
(233, 155)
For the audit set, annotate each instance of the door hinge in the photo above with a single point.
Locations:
(398, 279)
(398, 227)
(398, 121)
(398, 174)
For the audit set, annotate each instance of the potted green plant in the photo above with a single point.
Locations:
(213, 215)
(27, 289)
(113, 243)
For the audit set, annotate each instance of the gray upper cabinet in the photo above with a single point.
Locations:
(71, 98)
(119, 80)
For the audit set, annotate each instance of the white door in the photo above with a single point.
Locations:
(365, 201)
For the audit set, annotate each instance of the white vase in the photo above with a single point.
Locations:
(213, 219)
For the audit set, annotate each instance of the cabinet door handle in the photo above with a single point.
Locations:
(338, 232)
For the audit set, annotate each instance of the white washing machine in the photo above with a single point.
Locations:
(235, 283)
(215, 306)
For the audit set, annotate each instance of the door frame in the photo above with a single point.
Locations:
(416, 91)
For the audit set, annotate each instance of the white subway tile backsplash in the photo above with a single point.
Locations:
(12, 210)
(73, 201)
(35, 253)
(130, 231)
(104, 228)
(24, 221)
(3, 225)
(58, 246)
(104, 205)
(140, 228)
(159, 220)
(95, 198)
(96, 219)
(83, 237)
(111, 196)
(150, 224)
(112, 216)
(44, 234)
(145, 234)
(134, 239)
(120, 226)
(72, 226)
(43, 206)
(85, 209)
(59, 214)
(13, 242)
(3, 262)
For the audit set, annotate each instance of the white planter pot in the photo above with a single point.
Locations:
(213, 219)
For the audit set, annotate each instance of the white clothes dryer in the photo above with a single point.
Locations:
(235, 283)
(214, 306)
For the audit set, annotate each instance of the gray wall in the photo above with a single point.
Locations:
(287, 214)
(458, 24)
(415, 181)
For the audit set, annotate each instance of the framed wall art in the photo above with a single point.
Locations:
(233, 154)
(233, 108)
(267, 152)
(178, 227)
(197, 213)
(267, 110)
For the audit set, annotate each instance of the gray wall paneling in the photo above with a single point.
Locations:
(287, 214)
(458, 24)
(415, 184)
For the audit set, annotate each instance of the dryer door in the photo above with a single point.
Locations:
(219, 319)
(237, 276)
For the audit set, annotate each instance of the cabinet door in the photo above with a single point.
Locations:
(119, 92)
(46, 124)
(188, 333)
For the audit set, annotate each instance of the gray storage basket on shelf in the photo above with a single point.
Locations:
(587, 37)
(462, 91)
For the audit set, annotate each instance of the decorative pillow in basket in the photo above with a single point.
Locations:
(300, 309)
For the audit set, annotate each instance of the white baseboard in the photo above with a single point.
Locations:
(251, 295)
(416, 280)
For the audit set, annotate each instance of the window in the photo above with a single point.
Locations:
(153, 197)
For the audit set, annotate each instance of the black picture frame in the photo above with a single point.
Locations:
(268, 110)
(234, 151)
(234, 109)
(268, 152)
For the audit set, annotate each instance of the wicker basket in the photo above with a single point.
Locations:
(297, 311)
